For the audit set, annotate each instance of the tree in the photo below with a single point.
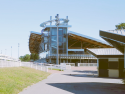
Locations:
(25, 58)
(34, 56)
(120, 26)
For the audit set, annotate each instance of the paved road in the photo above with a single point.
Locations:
(76, 82)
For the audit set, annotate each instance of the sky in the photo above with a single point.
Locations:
(87, 17)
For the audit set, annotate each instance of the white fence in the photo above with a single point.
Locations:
(62, 66)
(4, 63)
(87, 64)
(38, 66)
(71, 64)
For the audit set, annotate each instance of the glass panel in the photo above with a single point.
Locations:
(60, 29)
(60, 33)
(64, 51)
(64, 30)
(64, 39)
(60, 38)
(53, 50)
(60, 45)
(54, 44)
(54, 38)
(64, 45)
(54, 31)
(61, 51)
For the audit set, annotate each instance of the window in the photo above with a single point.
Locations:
(54, 38)
(54, 31)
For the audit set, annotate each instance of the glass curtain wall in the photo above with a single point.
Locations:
(62, 40)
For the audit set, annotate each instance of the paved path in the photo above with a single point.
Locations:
(76, 81)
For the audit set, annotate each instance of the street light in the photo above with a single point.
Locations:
(11, 51)
(18, 50)
(57, 24)
(5, 51)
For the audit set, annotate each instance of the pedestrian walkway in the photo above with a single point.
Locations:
(76, 81)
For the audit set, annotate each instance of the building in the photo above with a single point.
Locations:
(72, 46)
(111, 61)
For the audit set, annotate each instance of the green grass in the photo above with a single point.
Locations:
(55, 69)
(14, 79)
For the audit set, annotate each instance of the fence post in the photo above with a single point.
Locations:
(41, 66)
(61, 67)
(46, 68)
(20, 63)
(51, 67)
(36, 66)
(2, 64)
(31, 64)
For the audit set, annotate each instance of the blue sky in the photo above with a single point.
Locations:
(19, 17)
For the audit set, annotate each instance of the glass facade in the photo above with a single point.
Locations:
(62, 40)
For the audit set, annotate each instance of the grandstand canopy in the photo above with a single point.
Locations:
(34, 42)
(75, 41)
(79, 41)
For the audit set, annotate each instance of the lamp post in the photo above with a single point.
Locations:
(5, 51)
(57, 24)
(11, 51)
(18, 50)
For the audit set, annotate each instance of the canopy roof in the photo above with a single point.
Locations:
(83, 41)
(114, 37)
(75, 41)
(106, 53)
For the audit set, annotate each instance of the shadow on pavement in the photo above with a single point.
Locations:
(89, 75)
(90, 88)
(86, 71)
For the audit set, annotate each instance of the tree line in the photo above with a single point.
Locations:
(31, 57)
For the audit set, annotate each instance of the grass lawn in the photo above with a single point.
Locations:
(55, 69)
(15, 79)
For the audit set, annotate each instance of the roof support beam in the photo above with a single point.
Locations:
(72, 44)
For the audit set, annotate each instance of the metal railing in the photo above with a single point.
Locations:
(71, 64)
(74, 55)
(87, 64)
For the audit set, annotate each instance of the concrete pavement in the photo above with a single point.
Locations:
(76, 81)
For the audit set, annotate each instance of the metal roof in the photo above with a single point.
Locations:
(114, 37)
(105, 51)
(94, 39)
(119, 31)
(35, 32)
